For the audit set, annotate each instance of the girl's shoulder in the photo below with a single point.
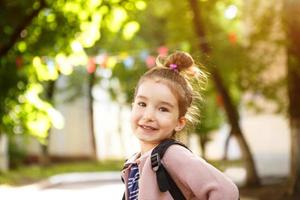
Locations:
(178, 154)
(176, 150)
(179, 157)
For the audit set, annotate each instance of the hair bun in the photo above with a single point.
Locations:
(181, 60)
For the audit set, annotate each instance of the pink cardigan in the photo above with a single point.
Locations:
(197, 179)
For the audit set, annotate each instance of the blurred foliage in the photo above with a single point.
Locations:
(211, 117)
(242, 45)
(124, 82)
(12, 83)
(74, 87)
(49, 40)
(45, 40)
(167, 23)
(264, 75)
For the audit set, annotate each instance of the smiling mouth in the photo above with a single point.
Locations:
(148, 127)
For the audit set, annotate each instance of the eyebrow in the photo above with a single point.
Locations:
(162, 102)
(141, 97)
(168, 104)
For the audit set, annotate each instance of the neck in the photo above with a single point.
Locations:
(145, 146)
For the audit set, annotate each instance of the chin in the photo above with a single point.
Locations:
(147, 138)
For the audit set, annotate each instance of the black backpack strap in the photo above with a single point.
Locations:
(164, 180)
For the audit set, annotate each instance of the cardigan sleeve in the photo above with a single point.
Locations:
(201, 179)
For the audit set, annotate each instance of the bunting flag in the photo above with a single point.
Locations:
(144, 54)
(162, 51)
(129, 62)
(150, 61)
(232, 37)
(91, 66)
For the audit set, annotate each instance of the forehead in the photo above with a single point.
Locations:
(156, 90)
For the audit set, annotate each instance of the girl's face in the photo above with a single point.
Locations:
(155, 114)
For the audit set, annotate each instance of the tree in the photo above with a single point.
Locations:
(47, 38)
(231, 111)
(292, 29)
(26, 37)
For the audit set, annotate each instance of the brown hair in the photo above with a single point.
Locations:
(179, 72)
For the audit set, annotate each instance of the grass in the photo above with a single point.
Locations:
(32, 173)
(223, 164)
(28, 174)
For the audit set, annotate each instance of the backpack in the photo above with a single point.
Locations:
(164, 180)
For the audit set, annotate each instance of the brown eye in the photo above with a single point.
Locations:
(142, 104)
(163, 109)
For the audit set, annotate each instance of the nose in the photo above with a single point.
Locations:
(149, 114)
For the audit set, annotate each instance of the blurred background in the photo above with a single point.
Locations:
(68, 69)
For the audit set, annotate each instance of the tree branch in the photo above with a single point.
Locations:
(16, 34)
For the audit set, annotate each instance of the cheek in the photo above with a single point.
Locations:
(168, 120)
(134, 116)
(133, 123)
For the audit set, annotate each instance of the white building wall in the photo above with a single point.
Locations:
(3, 153)
(268, 138)
(74, 138)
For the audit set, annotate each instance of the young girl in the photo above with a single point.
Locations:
(161, 109)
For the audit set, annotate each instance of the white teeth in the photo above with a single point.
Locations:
(148, 127)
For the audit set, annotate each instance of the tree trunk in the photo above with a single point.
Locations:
(292, 23)
(233, 118)
(226, 145)
(231, 112)
(295, 159)
(91, 115)
(294, 114)
(45, 159)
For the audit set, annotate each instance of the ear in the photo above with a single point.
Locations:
(181, 123)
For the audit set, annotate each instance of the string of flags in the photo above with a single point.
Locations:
(109, 60)
(106, 60)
